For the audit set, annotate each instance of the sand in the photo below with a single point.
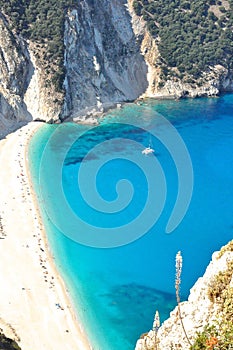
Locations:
(35, 308)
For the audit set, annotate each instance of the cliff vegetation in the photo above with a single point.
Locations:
(66, 58)
(191, 35)
(42, 22)
(204, 322)
(219, 333)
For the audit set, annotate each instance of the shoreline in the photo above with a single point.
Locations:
(36, 309)
(92, 117)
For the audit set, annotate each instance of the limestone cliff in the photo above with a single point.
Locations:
(102, 56)
(59, 61)
(15, 69)
(216, 79)
(41, 98)
(23, 94)
(209, 303)
(102, 59)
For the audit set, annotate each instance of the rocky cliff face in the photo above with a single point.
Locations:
(103, 63)
(42, 100)
(217, 79)
(102, 56)
(15, 74)
(109, 57)
(210, 301)
(23, 94)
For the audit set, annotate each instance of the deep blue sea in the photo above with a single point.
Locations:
(116, 218)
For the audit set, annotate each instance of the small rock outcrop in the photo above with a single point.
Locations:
(7, 343)
(205, 306)
(216, 80)
(8, 338)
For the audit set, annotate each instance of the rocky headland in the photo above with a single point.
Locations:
(107, 55)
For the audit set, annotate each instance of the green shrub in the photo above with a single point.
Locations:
(227, 248)
(219, 336)
(191, 35)
(42, 22)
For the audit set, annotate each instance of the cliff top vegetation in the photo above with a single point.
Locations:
(42, 22)
(191, 35)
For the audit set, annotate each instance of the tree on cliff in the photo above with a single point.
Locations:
(42, 22)
(191, 35)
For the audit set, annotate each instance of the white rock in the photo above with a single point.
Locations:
(196, 312)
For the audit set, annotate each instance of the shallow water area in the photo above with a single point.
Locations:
(118, 290)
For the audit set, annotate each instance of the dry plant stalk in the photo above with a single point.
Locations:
(179, 262)
(156, 325)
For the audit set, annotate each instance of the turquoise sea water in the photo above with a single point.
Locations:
(118, 290)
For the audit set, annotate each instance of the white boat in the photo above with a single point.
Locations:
(148, 150)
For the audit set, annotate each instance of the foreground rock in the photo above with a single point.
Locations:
(7, 343)
(206, 305)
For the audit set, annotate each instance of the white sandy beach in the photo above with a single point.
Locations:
(34, 306)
